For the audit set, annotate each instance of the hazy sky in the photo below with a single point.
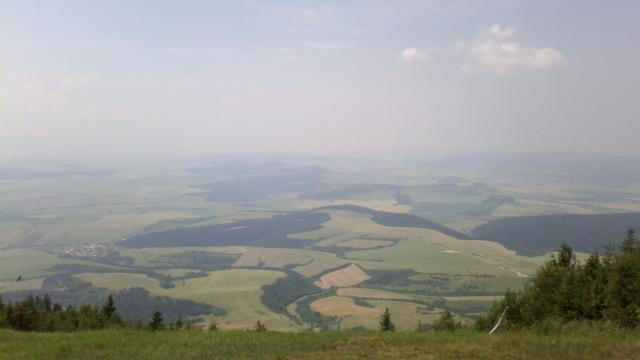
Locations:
(380, 78)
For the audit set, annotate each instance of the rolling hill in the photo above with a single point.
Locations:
(537, 235)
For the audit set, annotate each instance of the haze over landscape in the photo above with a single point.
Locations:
(415, 179)
(384, 78)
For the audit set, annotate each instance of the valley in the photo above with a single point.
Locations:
(292, 244)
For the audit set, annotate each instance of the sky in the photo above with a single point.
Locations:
(406, 78)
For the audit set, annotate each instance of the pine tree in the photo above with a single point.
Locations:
(156, 321)
(385, 321)
(109, 309)
(260, 327)
(3, 317)
(592, 281)
(629, 243)
(447, 322)
(46, 302)
(623, 298)
(603, 288)
(25, 315)
(566, 259)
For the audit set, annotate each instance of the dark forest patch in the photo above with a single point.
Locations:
(287, 290)
(397, 219)
(484, 208)
(299, 179)
(537, 235)
(251, 232)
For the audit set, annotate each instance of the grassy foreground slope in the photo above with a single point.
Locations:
(108, 344)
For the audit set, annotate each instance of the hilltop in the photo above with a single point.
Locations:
(578, 343)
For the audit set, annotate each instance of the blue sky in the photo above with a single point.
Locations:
(383, 78)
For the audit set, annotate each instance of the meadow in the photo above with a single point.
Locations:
(127, 344)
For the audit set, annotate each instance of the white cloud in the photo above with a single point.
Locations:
(412, 55)
(498, 50)
(500, 31)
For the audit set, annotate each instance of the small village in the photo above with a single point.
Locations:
(84, 250)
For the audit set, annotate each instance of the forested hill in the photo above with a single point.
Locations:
(398, 219)
(537, 235)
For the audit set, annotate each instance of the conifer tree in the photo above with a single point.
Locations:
(385, 321)
(629, 243)
(623, 298)
(447, 322)
(156, 321)
(260, 327)
(109, 309)
(592, 282)
(46, 301)
(601, 288)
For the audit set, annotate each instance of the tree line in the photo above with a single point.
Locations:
(602, 288)
(39, 313)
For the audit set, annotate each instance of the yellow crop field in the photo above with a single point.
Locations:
(348, 276)
(341, 306)
(373, 294)
(364, 243)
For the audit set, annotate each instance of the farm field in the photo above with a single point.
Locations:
(372, 294)
(286, 243)
(32, 264)
(348, 276)
(351, 315)
(235, 290)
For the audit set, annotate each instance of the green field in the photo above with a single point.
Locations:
(34, 263)
(161, 257)
(406, 315)
(118, 281)
(408, 267)
(424, 256)
(235, 290)
(127, 344)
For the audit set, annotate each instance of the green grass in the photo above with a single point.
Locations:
(405, 315)
(154, 257)
(238, 291)
(117, 281)
(317, 235)
(11, 285)
(174, 273)
(424, 256)
(33, 263)
(112, 344)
